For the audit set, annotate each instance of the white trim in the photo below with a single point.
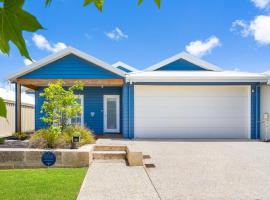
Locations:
(61, 54)
(80, 96)
(105, 129)
(124, 65)
(195, 76)
(188, 57)
(249, 112)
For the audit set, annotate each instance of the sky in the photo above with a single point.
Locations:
(232, 34)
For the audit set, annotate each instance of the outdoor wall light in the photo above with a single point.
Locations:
(75, 139)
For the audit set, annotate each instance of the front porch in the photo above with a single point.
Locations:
(101, 99)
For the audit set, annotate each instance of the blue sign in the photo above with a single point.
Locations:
(48, 158)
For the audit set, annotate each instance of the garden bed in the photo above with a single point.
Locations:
(15, 144)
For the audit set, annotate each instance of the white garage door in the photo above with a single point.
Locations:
(192, 111)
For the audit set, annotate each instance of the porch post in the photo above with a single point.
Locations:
(18, 119)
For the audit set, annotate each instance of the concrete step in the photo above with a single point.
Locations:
(109, 147)
(109, 155)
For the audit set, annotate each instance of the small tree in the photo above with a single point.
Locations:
(60, 104)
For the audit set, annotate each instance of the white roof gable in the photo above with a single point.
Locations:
(185, 56)
(124, 65)
(61, 54)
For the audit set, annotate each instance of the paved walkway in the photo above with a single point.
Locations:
(186, 169)
(113, 180)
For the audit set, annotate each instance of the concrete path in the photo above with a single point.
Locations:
(186, 169)
(113, 180)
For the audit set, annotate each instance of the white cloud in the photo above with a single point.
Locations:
(261, 3)
(200, 48)
(259, 29)
(42, 43)
(240, 26)
(27, 61)
(116, 34)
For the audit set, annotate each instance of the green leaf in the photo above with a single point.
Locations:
(3, 108)
(99, 4)
(158, 2)
(48, 2)
(139, 2)
(87, 2)
(13, 21)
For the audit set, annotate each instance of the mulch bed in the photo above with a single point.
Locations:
(15, 144)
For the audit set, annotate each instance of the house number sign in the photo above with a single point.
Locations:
(48, 158)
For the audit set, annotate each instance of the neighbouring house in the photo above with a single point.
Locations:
(179, 97)
(7, 126)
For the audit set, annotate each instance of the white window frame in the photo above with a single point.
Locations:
(80, 96)
(105, 129)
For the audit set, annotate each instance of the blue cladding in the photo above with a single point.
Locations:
(38, 103)
(255, 111)
(93, 102)
(181, 64)
(128, 111)
(71, 67)
(125, 110)
(123, 69)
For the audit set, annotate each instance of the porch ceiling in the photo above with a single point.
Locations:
(34, 83)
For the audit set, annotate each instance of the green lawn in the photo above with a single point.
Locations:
(39, 184)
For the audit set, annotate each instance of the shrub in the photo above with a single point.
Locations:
(53, 138)
(2, 140)
(37, 142)
(20, 135)
(86, 136)
(45, 138)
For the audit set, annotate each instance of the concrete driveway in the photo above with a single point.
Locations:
(184, 169)
(209, 169)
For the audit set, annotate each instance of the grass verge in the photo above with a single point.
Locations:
(49, 184)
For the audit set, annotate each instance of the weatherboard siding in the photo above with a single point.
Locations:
(255, 111)
(71, 67)
(181, 65)
(128, 111)
(124, 69)
(93, 102)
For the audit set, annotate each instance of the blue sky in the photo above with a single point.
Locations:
(144, 36)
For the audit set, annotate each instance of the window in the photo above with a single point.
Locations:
(78, 119)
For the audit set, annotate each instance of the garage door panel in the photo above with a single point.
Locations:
(187, 101)
(191, 111)
(184, 112)
(169, 132)
(189, 123)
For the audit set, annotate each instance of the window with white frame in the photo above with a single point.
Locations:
(78, 119)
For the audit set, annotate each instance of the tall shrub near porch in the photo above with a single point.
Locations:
(60, 104)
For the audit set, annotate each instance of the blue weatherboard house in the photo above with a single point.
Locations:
(179, 97)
